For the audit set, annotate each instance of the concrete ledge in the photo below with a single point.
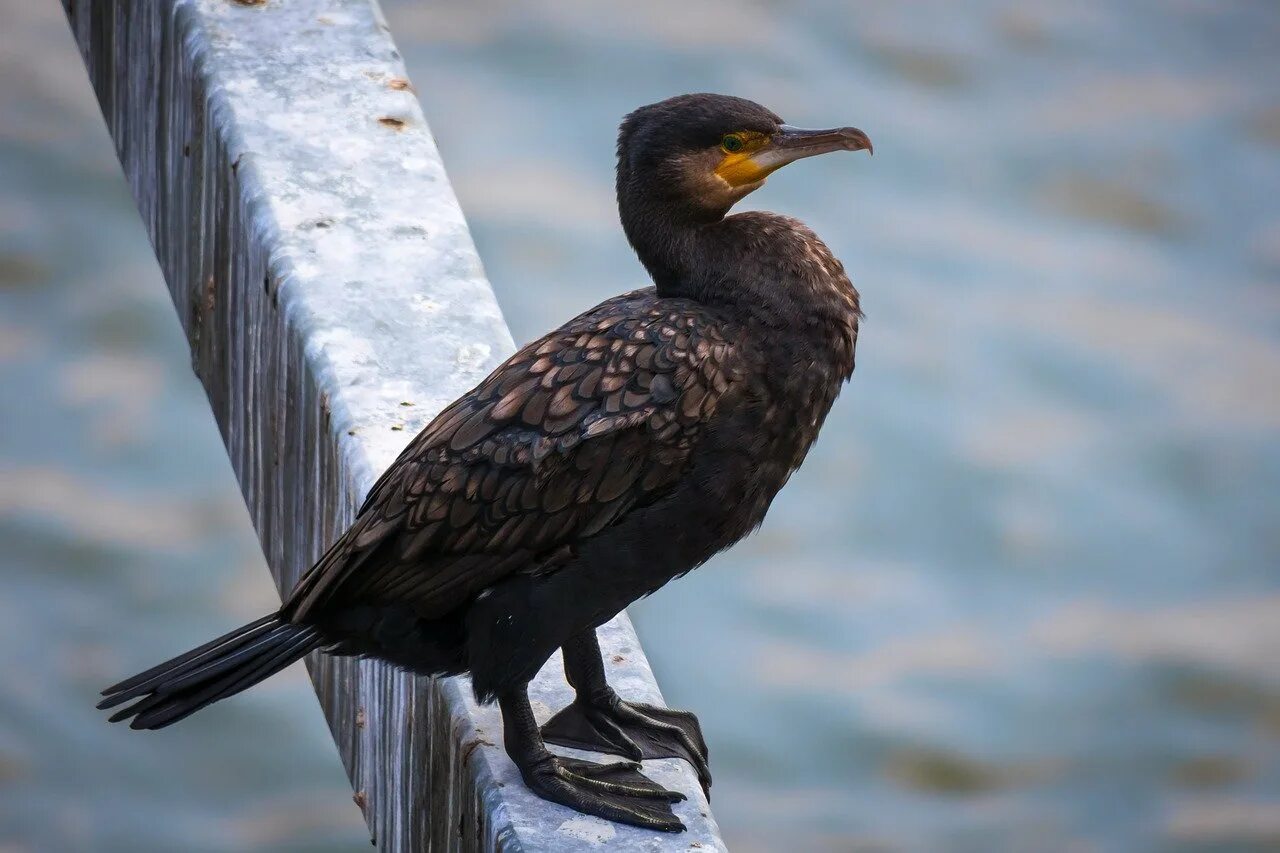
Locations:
(334, 303)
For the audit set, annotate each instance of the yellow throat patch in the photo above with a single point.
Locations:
(737, 168)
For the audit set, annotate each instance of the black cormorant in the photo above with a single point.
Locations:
(597, 463)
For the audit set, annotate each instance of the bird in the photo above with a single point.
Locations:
(597, 463)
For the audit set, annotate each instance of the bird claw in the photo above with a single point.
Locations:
(617, 792)
(631, 729)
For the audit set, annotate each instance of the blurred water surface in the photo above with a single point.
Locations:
(1025, 594)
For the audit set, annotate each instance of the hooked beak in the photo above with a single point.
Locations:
(793, 143)
(787, 145)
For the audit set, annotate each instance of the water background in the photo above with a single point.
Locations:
(1025, 594)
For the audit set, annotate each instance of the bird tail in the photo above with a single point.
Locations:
(218, 669)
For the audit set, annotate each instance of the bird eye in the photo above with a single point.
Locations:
(732, 143)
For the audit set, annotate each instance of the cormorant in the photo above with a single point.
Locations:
(597, 463)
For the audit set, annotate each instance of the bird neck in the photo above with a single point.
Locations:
(763, 267)
(669, 238)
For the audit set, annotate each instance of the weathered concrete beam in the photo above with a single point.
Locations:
(334, 303)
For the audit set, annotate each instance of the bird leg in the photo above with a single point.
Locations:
(618, 792)
(599, 720)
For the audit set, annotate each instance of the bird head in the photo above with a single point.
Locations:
(700, 154)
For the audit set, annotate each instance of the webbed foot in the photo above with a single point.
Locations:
(607, 723)
(617, 792)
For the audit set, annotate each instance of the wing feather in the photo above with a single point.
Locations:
(562, 440)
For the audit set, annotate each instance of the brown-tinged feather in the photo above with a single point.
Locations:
(529, 461)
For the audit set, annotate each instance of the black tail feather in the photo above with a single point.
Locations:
(178, 688)
(141, 683)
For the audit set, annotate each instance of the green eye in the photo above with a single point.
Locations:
(732, 143)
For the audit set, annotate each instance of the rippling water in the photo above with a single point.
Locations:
(1024, 595)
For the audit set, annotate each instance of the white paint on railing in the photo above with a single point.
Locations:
(334, 302)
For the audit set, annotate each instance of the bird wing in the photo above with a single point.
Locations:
(564, 438)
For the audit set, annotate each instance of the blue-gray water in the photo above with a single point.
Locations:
(1025, 594)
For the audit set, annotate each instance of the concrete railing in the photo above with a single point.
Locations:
(334, 303)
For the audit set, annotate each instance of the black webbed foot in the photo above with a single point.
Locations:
(617, 792)
(606, 723)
